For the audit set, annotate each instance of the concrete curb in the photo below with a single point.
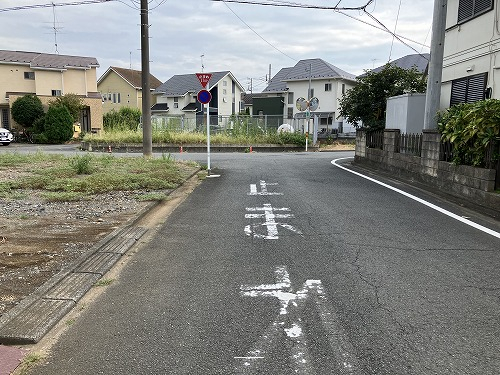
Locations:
(195, 148)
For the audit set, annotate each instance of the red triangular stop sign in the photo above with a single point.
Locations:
(204, 78)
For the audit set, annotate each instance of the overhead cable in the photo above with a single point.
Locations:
(36, 6)
(289, 4)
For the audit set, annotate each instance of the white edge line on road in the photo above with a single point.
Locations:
(428, 204)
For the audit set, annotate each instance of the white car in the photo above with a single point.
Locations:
(5, 137)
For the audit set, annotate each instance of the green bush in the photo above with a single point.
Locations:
(26, 110)
(58, 124)
(125, 119)
(471, 128)
(72, 102)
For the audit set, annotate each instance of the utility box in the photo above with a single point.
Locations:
(406, 113)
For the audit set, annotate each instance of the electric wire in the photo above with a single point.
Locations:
(256, 33)
(394, 33)
(290, 4)
(37, 6)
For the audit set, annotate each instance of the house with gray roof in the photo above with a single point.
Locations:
(47, 76)
(307, 79)
(418, 61)
(177, 97)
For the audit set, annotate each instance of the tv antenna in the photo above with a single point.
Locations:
(54, 27)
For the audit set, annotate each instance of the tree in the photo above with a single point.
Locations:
(72, 102)
(58, 124)
(27, 109)
(364, 105)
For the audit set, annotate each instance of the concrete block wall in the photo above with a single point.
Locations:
(459, 180)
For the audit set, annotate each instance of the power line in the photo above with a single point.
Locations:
(289, 4)
(37, 6)
(256, 33)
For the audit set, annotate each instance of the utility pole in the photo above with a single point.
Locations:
(433, 95)
(147, 136)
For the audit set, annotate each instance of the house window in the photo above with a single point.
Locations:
(328, 87)
(224, 92)
(290, 98)
(29, 75)
(290, 112)
(343, 88)
(224, 83)
(469, 89)
(468, 9)
(114, 97)
(5, 119)
(176, 102)
(56, 92)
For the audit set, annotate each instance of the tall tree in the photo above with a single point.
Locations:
(364, 105)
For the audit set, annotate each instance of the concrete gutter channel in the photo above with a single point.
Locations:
(34, 316)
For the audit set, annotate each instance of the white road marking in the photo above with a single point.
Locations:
(270, 223)
(263, 189)
(289, 322)
(424, 202)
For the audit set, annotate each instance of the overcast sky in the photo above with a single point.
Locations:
(244, 39)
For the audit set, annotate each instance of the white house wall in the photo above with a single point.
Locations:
(328, 100)
(470, 48)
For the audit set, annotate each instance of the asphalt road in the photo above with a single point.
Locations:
(288, 264)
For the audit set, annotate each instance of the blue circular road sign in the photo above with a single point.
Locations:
(204, 96)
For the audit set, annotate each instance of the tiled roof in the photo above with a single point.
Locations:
(133, 77)
(319, 69)
(159, 107)
(190, 107)
(277, 83)
(46, 60)
(181, 84)
(419, 61)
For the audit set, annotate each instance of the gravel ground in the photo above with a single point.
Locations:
(37, 238)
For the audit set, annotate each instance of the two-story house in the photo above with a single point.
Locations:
(472, 43)
(310, 78)
(177, 97)
(48, 76)
(120, 87)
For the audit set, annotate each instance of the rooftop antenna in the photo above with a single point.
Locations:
(130, 54)
(202, 66)
(54, 26)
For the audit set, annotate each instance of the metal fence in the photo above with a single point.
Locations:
(375, 139)
(409, 144)
(235, 124)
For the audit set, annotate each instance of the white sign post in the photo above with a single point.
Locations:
(204, 78)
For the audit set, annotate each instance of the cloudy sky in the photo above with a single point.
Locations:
(243, 38)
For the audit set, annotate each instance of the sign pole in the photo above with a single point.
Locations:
(208, 134)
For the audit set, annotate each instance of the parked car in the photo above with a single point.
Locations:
(5, 137)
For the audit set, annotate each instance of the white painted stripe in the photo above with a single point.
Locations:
(424, 202)
(253, 189)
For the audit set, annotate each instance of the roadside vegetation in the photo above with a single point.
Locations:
(474, 131)
(122, 127)
(166, 136)
(61, 178)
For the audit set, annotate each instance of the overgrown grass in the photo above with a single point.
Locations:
(60, 178)
(171, 137)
